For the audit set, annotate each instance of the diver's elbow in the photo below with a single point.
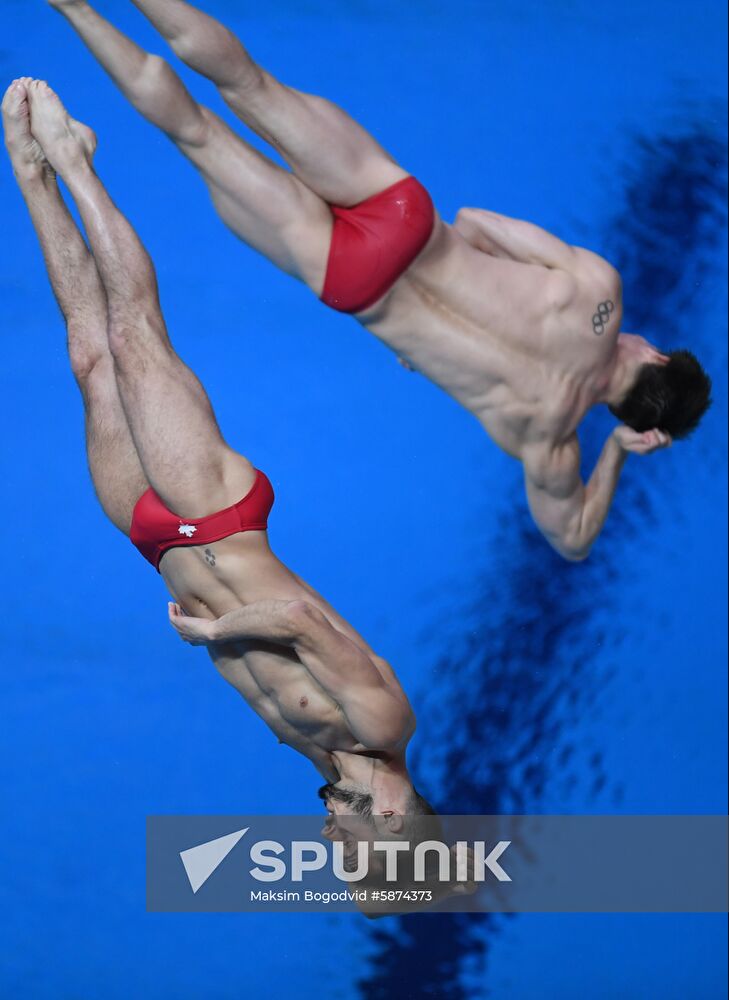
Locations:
(573, 549)
(576, 555)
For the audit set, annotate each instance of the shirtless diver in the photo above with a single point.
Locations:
(298, 664)
(521, 328)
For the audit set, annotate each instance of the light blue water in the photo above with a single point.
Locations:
(538, 685)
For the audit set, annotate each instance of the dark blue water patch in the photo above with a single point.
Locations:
(502, 718)
(666, 236)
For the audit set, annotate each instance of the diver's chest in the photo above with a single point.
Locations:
(309, 710)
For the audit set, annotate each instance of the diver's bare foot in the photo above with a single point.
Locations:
(28, 159)
(68, 144)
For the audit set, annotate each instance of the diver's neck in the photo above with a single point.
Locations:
(384, 776)
(620, 378)
(372, 770)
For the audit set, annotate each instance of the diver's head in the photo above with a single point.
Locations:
(362, 834)
(666, 392)
(354, 813)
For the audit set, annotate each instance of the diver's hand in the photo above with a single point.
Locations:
(196, 631)
(644, 443)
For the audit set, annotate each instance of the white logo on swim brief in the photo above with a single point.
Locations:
(188, 530)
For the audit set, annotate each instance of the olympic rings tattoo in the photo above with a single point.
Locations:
(602, 317)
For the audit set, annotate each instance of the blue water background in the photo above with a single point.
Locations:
(538, 685)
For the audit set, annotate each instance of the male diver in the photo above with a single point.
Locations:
(521, 328)
(196, 509)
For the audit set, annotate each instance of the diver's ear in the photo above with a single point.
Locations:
(395, 822)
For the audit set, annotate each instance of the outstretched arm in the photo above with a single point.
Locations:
(500, 236)
(379, 715)
(569, 513)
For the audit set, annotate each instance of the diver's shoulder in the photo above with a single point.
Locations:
(592, 268)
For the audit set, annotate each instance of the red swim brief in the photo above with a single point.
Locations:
(374, 243)
(155, 529)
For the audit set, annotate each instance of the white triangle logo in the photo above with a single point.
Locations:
(200, 862)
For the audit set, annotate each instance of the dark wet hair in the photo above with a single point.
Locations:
(361, 803)
(671, 397)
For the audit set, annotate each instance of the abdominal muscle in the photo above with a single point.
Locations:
(209, 581)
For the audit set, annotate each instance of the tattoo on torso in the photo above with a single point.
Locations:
(210, 557)
(602, 317)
